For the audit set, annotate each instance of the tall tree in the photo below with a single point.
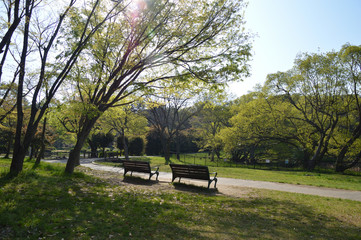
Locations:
(154, 41)
(40, 37)
(351, 57)
(14, 14)
(169, 118)
(315, 88)
(208, 123)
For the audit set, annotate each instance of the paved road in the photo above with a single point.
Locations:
(318, 191)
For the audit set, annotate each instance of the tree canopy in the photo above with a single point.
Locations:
(158, 41)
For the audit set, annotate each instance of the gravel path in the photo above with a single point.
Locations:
(234, 184)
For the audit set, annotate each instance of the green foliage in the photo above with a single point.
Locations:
(208, 123)
(120, 144)
(125, 121)
(144, 46)
(153, 146)
(136, 146)
(307, 114)
(102, 140)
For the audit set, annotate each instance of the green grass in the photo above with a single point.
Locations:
(330, 180)
(44, 203)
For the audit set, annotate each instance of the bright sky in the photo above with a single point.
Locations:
(288, 27)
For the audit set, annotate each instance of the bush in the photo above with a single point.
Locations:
(136, 146)
(120, 144)
(154, 146)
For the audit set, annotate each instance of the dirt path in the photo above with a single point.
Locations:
(230, 186)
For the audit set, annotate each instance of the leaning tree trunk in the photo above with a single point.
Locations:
(344, 166)
(42, 148)
(74, 155)
(316, 156)
(340, 166)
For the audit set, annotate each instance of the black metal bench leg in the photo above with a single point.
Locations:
(215, 183)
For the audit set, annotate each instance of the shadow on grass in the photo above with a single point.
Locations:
(194, 188)
(139, 181)
(79, 207)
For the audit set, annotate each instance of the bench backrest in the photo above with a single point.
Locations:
(190, 171)
(137, 166)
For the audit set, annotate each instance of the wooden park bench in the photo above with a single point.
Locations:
(139, 166)
(194, 172)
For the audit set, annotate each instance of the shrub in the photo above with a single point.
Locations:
(136, 146)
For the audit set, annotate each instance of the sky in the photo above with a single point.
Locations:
(285, 28)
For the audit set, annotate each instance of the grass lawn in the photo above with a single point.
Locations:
(330, 180)
(44, 203)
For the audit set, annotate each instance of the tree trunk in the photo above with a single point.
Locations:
(166, 149)
(32, 152)
(125, 146)
(212, 155)
(93, 149)
(17, 160)
(306, 157)
(341, 156)
(343, 167)
(74, 155)
(8, 148)
(316, 156)
(74, 158)
(312, 162)
(42, 148)
(178, 147)
(20, 147)
(167, 153)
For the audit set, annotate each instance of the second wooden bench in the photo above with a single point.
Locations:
(194, 172)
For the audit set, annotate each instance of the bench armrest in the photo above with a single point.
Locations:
(215, 174)
(156, 168)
